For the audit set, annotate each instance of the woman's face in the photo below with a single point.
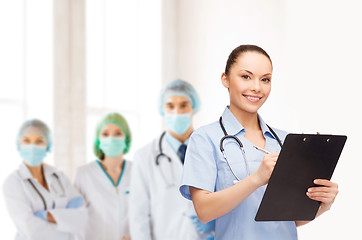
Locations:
(32, 138)
(178, 105)
(249, 81)
(111, 130)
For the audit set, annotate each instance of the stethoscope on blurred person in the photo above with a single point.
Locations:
(226, 136)
(160, 155)
(60, 194)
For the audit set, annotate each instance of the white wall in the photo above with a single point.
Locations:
(209, 30)
(123, 66)
(324, 84)
(316, 50)
(26, 70)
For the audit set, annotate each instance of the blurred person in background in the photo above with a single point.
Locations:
(40, 199)
(157, 210)
(105, 182)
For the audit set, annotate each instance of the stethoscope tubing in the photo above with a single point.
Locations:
(160, 153)
(157, 160)
(242, 150)
(38, 192)
(226, 136)
(40, 195)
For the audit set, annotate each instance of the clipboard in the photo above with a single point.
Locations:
(303, 158)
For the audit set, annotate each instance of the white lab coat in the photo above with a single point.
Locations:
(23, 201)
(107, 205)
(157, 209)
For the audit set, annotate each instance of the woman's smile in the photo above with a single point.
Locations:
(252, 98)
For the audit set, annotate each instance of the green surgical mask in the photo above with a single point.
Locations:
(112, 146)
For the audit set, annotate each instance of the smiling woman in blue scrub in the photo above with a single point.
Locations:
(40, 199)
(105, 182)
(158, 211)
(229, 186)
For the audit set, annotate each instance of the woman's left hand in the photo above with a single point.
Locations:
(325, 193)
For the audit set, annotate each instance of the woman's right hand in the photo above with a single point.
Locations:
(266, 168)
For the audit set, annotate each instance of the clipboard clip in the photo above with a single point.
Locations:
(318, 133)
(328, 139)
(305, 139)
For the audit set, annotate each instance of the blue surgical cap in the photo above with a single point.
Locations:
(179, 87)
(34, 126)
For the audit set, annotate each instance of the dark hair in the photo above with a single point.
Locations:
(243, 49)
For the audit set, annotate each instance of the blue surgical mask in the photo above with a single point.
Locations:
(178, 123)
(112, 146)
(33, 154)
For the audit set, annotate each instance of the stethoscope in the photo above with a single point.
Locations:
(226, 135)
(42, 197)
(157, 161)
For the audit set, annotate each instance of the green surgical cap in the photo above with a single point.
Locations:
(120, 121)
(179, 87)
(35, 126)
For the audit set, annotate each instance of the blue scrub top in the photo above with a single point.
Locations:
(206, 168)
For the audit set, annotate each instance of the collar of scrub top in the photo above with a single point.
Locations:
(25, 173)
(109, 177)
(174, 143)
(233, 126)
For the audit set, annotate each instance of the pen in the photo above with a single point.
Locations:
(261, 149)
